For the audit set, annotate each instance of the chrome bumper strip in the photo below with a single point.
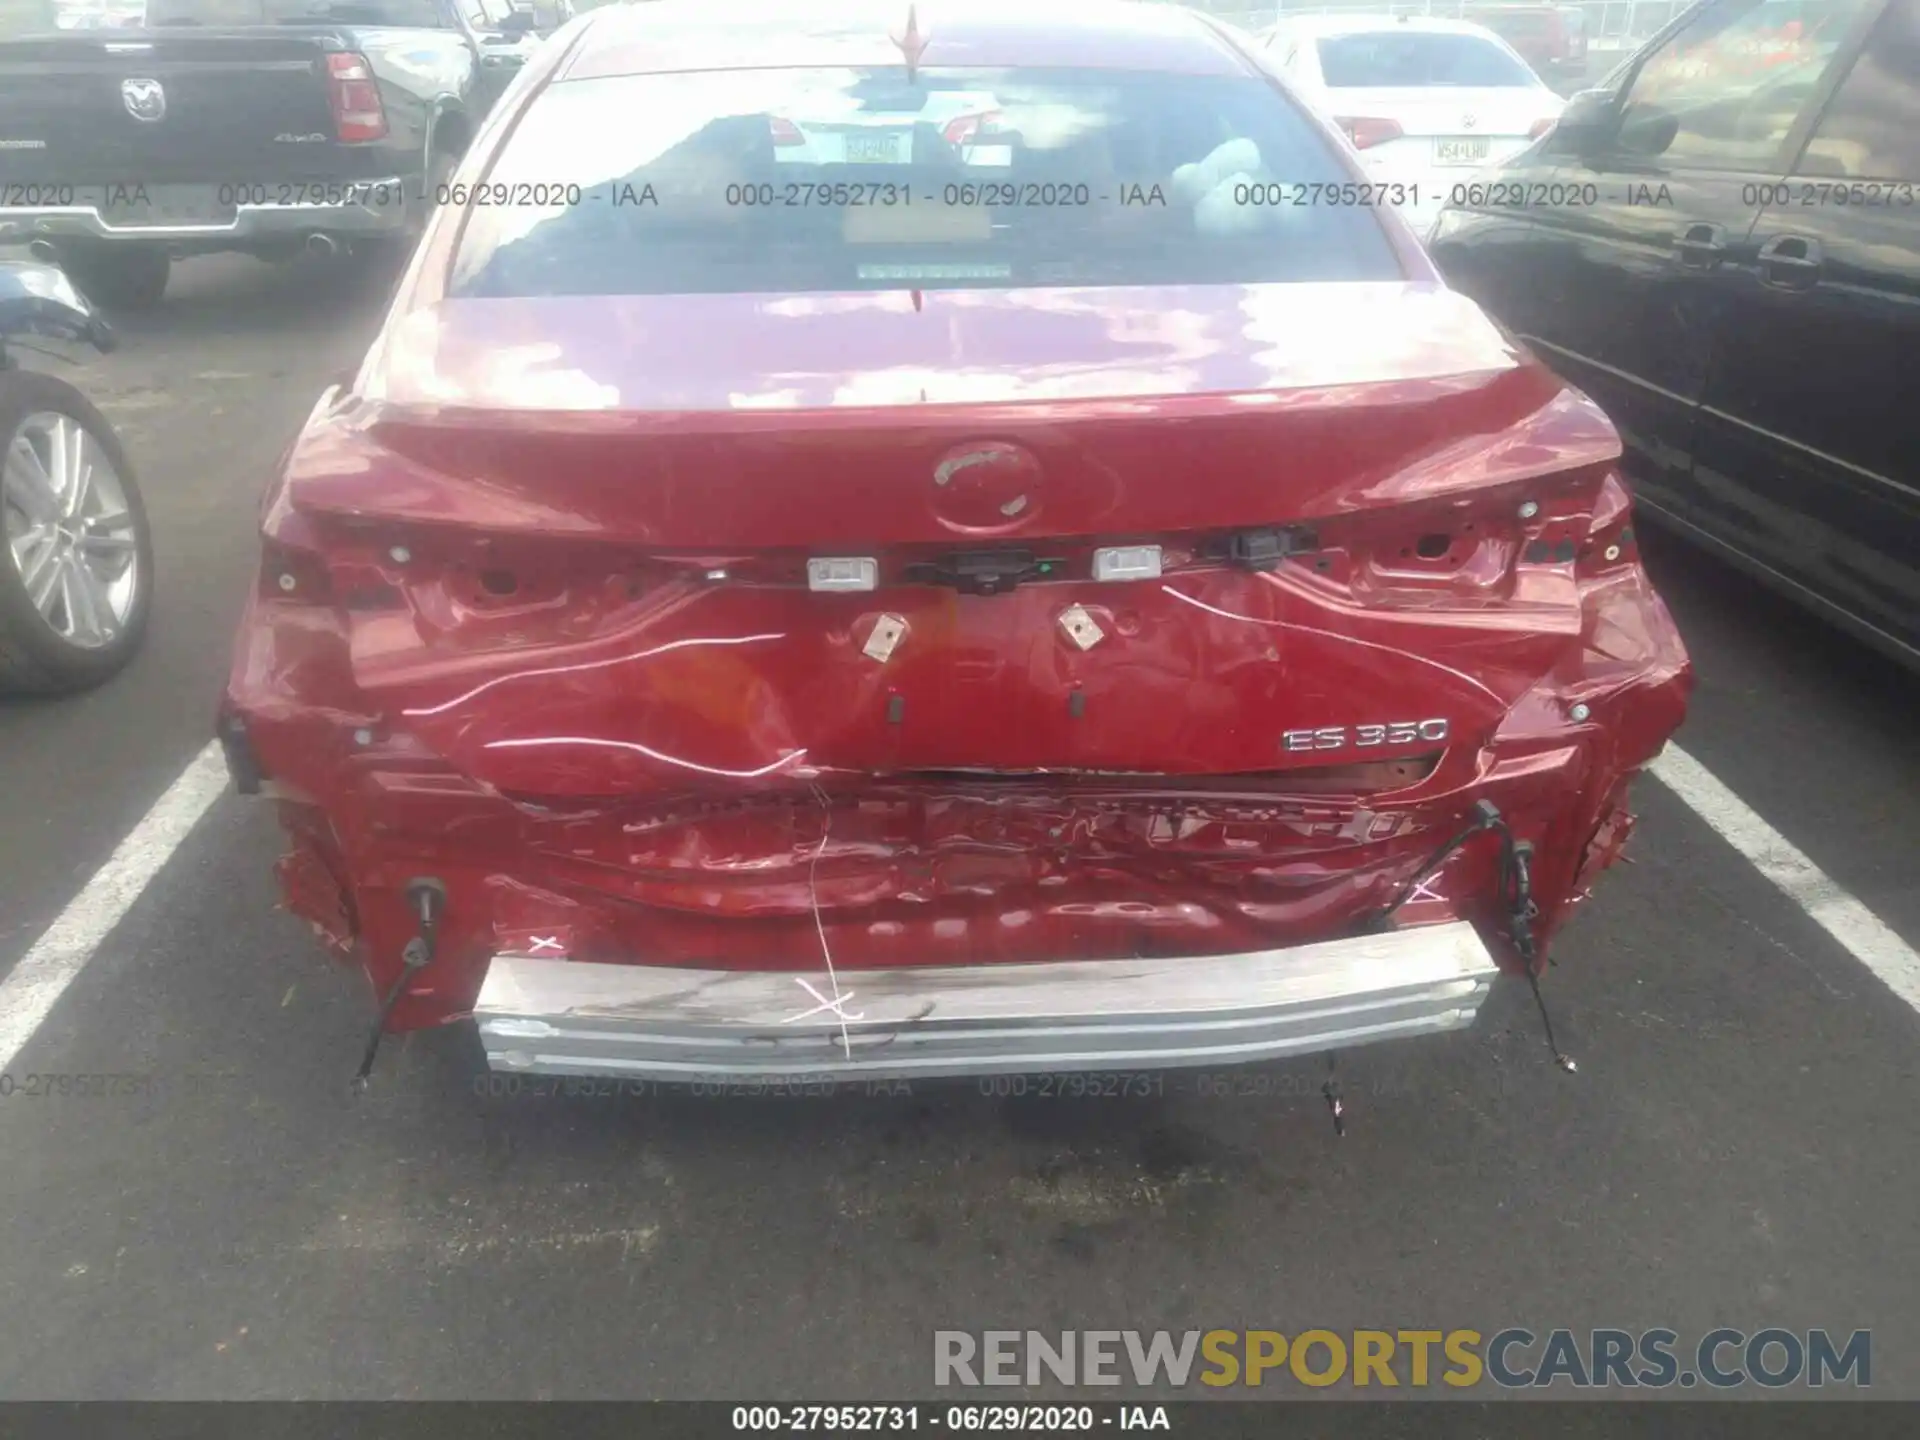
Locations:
(558, 1017)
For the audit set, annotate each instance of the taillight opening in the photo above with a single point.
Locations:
(1367, 131)
(1611, 548)
(358, 114)
(784, 132)
(290, 573)
(1541, 127)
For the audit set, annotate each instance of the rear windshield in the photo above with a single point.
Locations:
(848, 179)
(1390, 57)
(411, 14)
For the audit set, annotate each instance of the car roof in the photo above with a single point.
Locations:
(675, 35)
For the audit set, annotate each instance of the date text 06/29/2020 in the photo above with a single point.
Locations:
(962, 1419)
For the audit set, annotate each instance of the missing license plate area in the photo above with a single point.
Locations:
(1460, 152)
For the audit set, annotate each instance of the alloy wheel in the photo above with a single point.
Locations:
(69, 531)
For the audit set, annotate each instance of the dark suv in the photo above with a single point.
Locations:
(1722, 247)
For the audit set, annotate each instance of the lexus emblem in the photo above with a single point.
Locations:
(144, 99)
(987, 487)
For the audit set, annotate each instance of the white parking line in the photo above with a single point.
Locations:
(1864, 934)
(28, 995)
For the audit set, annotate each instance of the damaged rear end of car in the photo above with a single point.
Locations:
(652, 693)
(897, 682)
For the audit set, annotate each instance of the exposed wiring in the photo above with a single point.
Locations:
(837, 1005)
(429, 899)
(1486, 817)
(1515, 896)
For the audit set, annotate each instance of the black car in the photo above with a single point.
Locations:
(263, 126)
(1722, 247)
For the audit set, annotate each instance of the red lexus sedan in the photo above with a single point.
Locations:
(903, 541)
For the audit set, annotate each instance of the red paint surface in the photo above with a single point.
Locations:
(645, 760)
(591, 742)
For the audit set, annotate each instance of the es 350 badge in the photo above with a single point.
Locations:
(1360, 737)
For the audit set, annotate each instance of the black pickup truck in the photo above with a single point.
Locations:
(263, 126)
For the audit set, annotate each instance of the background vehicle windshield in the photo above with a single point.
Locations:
(810, 180)
(1388, 58)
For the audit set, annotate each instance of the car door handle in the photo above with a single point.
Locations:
(1791, 262)
(1703, 246)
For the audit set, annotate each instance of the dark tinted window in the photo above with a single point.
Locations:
(1725, 92)
(844, 179)
(1872, 126)
(1389, 57)
(416, 14)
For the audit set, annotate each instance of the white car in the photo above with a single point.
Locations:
(877, 128)
(1427, 103)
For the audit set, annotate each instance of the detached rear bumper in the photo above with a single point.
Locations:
(557, 1017)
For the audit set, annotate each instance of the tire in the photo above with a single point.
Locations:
(119, 277)
(45, 647)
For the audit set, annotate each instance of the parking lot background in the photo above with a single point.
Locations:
(1737, 1148)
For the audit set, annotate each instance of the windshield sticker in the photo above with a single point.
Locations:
(935, 272)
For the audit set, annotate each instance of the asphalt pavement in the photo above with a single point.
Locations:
(1737, 1148)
